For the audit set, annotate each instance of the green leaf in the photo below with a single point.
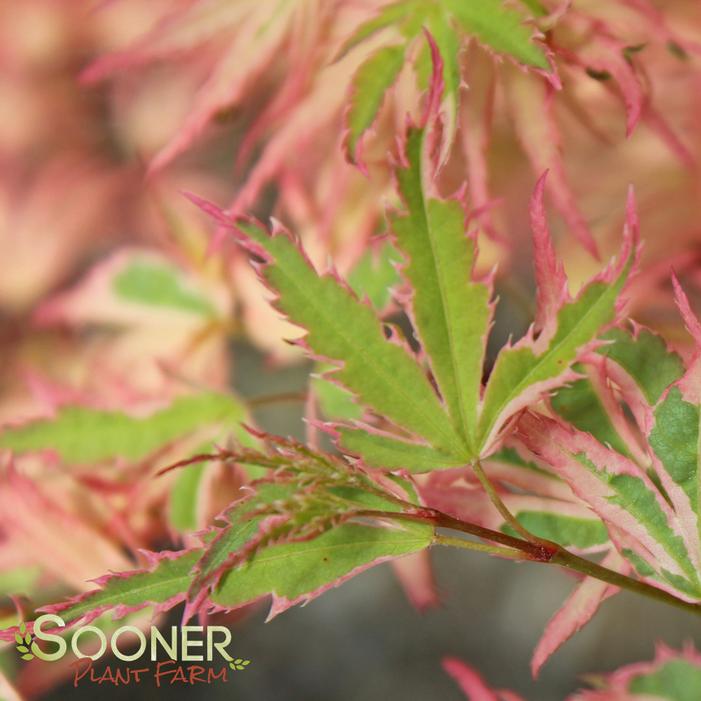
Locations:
(184, 497)
(580, 405)
(387, 16)
(535, 7)
(164, 585)
(383, 374)
(499, 27)
(160, 285)
(675, 440)
(305, 498)
(448, 43)
(81, 435)
(335, 402)
(19, 580)
(228, 543)
(674, 680)
(299, 570)
(519, 372)
(375, 274)
(391, 453)
(568, 531)
(368, 87)
(244, 517)
(646, 358)
(452, 314)
(495, 25)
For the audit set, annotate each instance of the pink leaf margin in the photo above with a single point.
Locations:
(576, 612)
(472, 684)
(120, 610)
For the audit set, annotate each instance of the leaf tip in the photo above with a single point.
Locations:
(691, 321)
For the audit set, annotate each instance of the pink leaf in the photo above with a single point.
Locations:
(432, 118)
(415, 574)
(559, 445)
(659, 124)
(62, 543)
(550, 276)
(477, 114)
(600, 377)
(606, 54)
(258, 45)
(469, 681)
(184, 26)
(531, 102)
(472, 684)
(576, 612)
(691, 321)
(298, 129)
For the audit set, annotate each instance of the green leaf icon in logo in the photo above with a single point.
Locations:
(239, 664)
(24, 641)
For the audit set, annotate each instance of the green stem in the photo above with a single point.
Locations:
(465, 544)
(533, 551)
(546, 553)
(565, 558)
(502, 508)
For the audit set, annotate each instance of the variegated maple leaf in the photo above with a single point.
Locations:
(624, 438)
(424, 411)
(590, 475)
(432, 410)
